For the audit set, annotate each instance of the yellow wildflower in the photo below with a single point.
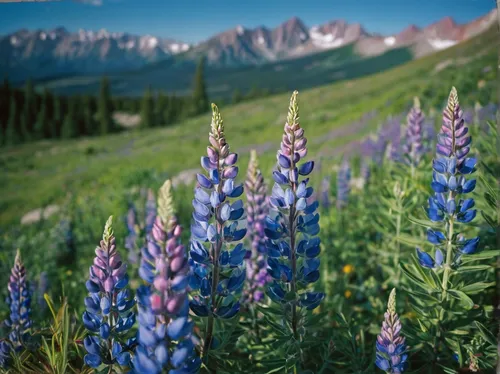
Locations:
(347, 269)
(347, 294)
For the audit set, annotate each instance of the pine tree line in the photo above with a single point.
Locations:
(29, 116)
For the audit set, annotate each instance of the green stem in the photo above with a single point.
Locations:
(215, 278)
(398, 248)
(446, 277)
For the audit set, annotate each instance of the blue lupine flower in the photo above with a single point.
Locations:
(218, 270)
(293, 246)
(391, 346)
(133, 235)
(138, 231)
(324, 196)
(449, 182)
(413, 147)
(19, 301)
(5, 350)
(108, 315)
(164, 337)
(343, 185)
(257, 209)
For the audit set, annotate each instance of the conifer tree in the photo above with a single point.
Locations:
(160, 109)
(104, 108)
(237, 96)
(88, 116)
(147, 116)
(56, 123)
(200, 103)
(5, 93)
(29, 110)
(11, 136)
(68, 130)
(42, 120)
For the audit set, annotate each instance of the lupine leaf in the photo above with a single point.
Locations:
(424, 222)
(485, 255)
(460, 295)
(485, 333)
(468, 268)
(474, 288)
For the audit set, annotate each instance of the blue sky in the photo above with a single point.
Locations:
(196, 20)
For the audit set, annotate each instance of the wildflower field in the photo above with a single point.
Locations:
(359, 237)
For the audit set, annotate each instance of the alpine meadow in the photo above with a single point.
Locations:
(275, 201)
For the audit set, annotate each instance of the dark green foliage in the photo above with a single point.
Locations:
(237, 96)
(41, 129)
(29, 111)
(200, 103)
(69, 129)
(104, 110)
(11, 133)
(147, 111)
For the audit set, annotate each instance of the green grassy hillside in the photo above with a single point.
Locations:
(43, 173)
(176, 75)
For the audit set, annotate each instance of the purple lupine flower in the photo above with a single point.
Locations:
(428, 135)
(343, 185)
(413, 147)
(257, 210)
(391, 345)
(19, 301)
(292, 244)
(324, 196)
(449, 183)
(138, 231)
(133, 234)
(165, 328)
(218, 271)
(108, 315)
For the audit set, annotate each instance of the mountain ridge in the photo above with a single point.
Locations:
(44, 53)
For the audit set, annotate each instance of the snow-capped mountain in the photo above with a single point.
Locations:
(442, 34)
(43, 53)
(293, 39)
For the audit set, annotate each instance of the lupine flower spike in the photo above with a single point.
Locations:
(324, 196)
(391, 347)
(257, 210)
(343, 185)
(218, 270)
(449, 184)
(135, 227)
(133, 234)
(108, 315)
(413, 147)
(293, 246)
(19, 301)
(164, 325)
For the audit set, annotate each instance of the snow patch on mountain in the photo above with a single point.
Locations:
(442, 43)
(326, 41)
(390, 40)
